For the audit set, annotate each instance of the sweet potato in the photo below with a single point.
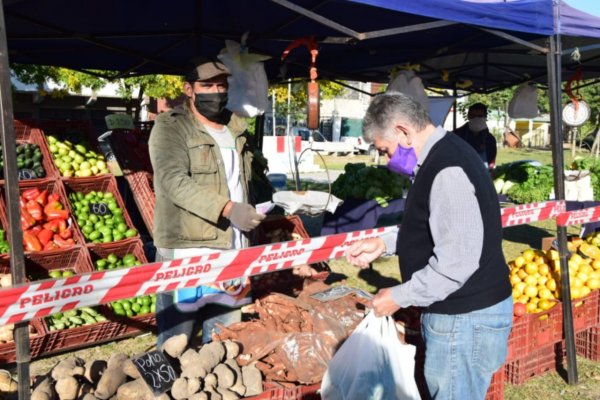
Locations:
(67, 388)
(72, 366)
(191, 367)
(175, 345)
(252, 380)
(112, 378)
(232, 349)
(225, 376)
(238, 385)
(211, 354)
(227, 394)
(43, 390)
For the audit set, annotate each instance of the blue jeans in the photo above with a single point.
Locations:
(171, 321)
(463, 351)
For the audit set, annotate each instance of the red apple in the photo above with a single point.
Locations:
(519, 309)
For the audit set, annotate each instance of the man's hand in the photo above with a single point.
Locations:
(243, 216)
(383, 303)
(365, 251)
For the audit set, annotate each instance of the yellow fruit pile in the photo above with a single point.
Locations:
(535, 274)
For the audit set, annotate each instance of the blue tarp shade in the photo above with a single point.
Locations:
(531, 16)
(151, 36)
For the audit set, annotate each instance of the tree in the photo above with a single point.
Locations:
(299, 97)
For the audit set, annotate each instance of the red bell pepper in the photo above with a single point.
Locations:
(31, 242)
(52, 225)
(50, 246)
(52, 197)
(42, 198)
(35, 230)
(62, 225)
(35, 209)
(66, 233)
(27, 221)
(31, 194)
(62, 243)
(53, 210)
(45, 236)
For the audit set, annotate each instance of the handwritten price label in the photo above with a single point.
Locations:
(156, 370)
(27, 174)
(99, 209)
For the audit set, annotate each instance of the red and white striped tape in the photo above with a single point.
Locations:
(39, 299)
(528, 213)
(579, 217)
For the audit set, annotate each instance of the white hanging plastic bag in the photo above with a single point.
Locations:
(248, 84)
(524, 102)
(410, 84)
(372, 364)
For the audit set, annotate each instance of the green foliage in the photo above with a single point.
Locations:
(299, 97)
(531, 183)
(592, 165)
(370, 183)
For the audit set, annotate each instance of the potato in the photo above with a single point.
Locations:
(175, 345)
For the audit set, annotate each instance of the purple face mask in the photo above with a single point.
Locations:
(403, 161)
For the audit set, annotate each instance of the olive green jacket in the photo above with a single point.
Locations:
(190, 183)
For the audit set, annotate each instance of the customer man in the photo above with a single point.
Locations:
(449, 247)
(476, 133)
(202, 170)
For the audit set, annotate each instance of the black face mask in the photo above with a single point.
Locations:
(212, 106)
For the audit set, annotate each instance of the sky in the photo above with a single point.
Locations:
(589, 6)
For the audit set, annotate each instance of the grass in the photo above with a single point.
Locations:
(386, 273)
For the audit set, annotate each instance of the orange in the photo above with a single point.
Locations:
(516, 294)
(531, 268)
(522, 274)
(530, 291)
(545, 294)
(519, 261)
(521, 286)
(530, 280)
(552, 254)
(523, 299)
(585, 291)
(593, 283)
(531, 307)
(514, 279)
(583, 276)
(545, 304)
(528, 254)
(544, 269)
(542, 280)
(575, 292)
(596, 264)
(576, 282)
(551, 284)
(585, 268)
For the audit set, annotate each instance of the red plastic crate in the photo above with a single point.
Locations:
(39, 264)
(120, 249)
(496, 389)
(585, 312)
(37, 344)
(518, 340)
(141, 184)
(545, 328)
(104, 183)
(588, 343)
(130, 147)
(536, 363)
(74, 130)
(53, 186)
(295, 393)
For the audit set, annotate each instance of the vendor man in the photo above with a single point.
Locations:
(202, 171)
(449, 247)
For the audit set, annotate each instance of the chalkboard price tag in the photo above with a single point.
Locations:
(119, 121)
(156, 371)
(27, 174)
(99, 209)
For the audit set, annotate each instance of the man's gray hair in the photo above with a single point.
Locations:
(388, 107)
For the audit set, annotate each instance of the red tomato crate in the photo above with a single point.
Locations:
(103, 183)
(53, 186)
(294, 393)
(141, 184)
(585, 312)
(536, 363)
(588, 343)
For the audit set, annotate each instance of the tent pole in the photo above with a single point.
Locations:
(15, 234)
(455, 106)
(554, 87)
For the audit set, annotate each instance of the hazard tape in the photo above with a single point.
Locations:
(39, 299)
(579, 217)
(528, 213)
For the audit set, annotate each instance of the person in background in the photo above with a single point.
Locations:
(450, 265)
(202, 172)
(476, 133)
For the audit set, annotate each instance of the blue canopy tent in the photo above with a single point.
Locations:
(482, 45)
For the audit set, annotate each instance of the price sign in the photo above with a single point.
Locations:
(119, 121)
(27, 174)
(99, 209)
(156, 371)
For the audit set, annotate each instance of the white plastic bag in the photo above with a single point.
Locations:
(524, 102)
(248, 84)
(372, 364)
(410, 84)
